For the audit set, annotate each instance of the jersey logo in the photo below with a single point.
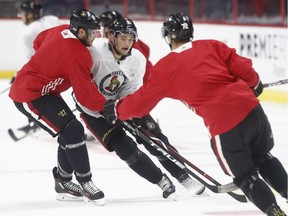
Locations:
(51, 86)
(62, 113)
(113, 85)
(185, 26)
(150, 125)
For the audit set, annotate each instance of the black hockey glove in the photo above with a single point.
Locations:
(258, 89)
(137, 121)
(109, 112)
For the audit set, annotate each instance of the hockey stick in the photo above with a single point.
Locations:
(16, 138)
(179, 160)
(280, 82)
(4, 90)
(171, 150)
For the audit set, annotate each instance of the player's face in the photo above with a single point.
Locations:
(92, 34)
(106, 32)
(124, 43)
(26, 18)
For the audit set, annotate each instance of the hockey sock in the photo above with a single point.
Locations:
(145, 167)
(79, 160)
(257, 192)
(65, 169)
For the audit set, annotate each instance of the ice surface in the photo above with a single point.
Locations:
(27, 182)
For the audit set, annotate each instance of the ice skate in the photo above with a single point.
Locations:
(193, 186)
(92, 194)
(66, 190)
(168, 188)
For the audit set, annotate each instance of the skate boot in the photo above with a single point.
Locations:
(66, 190)
(190, 184)
(168, 187)
(91, 193)
(274, 210)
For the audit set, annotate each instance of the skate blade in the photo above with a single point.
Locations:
(196, 192)
(172, 197)
(68, 197)
(98, 202)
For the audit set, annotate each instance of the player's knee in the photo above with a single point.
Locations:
(246, 181)
(133, 158)
(262, 160)
(123, 145)
(72, 134)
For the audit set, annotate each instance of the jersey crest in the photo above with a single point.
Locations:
(110, 84)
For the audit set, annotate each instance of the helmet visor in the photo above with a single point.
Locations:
(129, 31)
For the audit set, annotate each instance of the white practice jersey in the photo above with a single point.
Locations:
(115, 78)
(34, 28)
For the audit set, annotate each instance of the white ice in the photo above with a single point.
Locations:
(27, 186)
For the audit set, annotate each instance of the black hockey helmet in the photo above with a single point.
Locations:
(123, 25)
(82, 18)
(179, 26)
(33, 7)
(108, 17)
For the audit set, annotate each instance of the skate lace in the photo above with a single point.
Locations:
(90, 187)
(277, 212)
(71, 186)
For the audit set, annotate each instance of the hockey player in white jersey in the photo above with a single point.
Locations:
(118, 71)
(31, 13)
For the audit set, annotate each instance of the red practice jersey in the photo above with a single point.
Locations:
(208, 76)
(60, 61)
(145, 50)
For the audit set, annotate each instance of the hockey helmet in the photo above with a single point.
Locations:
(33, 7)
(123, 25)
(108, 17)
(82, 18)
(179, 26)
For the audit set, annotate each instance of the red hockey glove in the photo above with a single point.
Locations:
(109, 112)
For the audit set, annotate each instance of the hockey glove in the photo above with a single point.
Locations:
(109, 112)
(137, 121)
(258, 89)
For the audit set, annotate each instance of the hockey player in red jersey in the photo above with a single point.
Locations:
(61, 61)
(220, 86)
(31, 14)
